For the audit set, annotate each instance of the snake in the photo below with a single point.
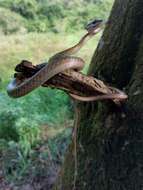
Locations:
(61, 62)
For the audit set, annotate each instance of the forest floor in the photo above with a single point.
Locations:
(46, 164)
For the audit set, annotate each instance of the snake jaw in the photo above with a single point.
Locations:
(29, 77)
(94, 26)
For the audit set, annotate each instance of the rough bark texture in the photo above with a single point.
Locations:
(110, 139)
(69, 81)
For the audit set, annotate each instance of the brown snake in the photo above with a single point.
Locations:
(60, 62)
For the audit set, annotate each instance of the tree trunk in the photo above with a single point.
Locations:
(110, 138)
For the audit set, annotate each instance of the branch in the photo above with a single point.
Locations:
(70, 81)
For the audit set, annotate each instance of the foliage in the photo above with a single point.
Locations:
(38, 108)
(37, 163)
(46, 15)
(20, 132)
(7, 126)
(26, 8)
(11, 22)
(22, 120)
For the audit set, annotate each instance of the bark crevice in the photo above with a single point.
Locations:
(110, 138)
(123, 33)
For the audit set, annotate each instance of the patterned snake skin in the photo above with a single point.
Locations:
(58, 63)
(17, 88)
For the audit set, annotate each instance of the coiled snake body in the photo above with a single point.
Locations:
(60, 62)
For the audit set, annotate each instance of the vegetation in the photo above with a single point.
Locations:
(41, 119)
(56, 16)
(110, 138)
(11, 22)
(38, 119)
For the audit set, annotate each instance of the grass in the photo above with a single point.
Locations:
(42, 105)
(44, 116)
(38, 48)
(35, 129)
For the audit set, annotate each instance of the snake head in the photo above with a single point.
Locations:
(95, 26)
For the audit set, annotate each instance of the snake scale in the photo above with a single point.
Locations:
(61, 62)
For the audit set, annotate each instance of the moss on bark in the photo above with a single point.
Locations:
(110, 138)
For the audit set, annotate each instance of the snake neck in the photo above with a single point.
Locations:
(74, 49)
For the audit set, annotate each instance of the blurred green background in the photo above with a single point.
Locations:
(35, 30)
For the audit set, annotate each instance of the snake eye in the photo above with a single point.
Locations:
(93, 24)
(96, 21)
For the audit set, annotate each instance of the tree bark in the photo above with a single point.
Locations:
(110, 138)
